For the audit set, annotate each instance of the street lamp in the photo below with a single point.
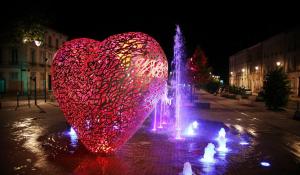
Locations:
(37, 43)
(243, 70)
(256, 67)
(278, 63)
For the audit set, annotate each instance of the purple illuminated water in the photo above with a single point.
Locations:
(187, 169)
(178, 54)
(222, 141)
(155, 119)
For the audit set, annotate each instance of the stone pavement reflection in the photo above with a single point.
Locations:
(35, 143)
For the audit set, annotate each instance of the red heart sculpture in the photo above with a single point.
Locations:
(107, 89)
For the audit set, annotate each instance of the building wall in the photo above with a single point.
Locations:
(259, 59)
(21, 62)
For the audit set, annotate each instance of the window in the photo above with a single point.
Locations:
(50, 41)
(13, 75)
(56, 43)
(14, 56)
(32, 53)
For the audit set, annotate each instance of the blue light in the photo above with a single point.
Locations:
(266, 164)
(244, 143)
(73, 137)
(72, 132)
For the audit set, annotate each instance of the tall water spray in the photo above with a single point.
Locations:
(178, 54)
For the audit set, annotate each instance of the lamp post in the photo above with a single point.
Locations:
(34, 80)
(38, 44)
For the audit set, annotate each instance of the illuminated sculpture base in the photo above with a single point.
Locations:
(107, 89)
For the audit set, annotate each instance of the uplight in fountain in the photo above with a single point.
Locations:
(222, 145)
(222, 134)
(222, 141)
(265, 164)
(195, 124)
(187, 169)
(209, 153)
(190, 131)
(244, 143)
(73, 137)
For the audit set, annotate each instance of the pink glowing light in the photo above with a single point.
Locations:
(155, 119)
(107, 89)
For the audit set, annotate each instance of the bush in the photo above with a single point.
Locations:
(231, 96)
(237, 90)
(213, 86)
(276, 89)
(260, 96)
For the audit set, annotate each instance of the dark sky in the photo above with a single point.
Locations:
(220, 30)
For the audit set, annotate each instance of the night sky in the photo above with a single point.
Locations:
(220, 30)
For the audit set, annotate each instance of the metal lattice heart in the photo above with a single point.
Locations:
(107, 89)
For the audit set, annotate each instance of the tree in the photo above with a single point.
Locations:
(197, 69)
(276, 89)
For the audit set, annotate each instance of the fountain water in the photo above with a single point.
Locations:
(154, 123)
(178, 54)
(222, 141)
(222, 145)
(190, 131)
(222, 134)
(165, 102)
(73, 137)
(209, 153)
(161, 114)
(187, 169)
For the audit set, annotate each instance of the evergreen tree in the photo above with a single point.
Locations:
(276, 89)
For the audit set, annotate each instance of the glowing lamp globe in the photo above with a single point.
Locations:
(107, 89)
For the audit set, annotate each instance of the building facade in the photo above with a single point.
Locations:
(25, 66)
(248, 67)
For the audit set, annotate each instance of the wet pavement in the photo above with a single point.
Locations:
(38, 141)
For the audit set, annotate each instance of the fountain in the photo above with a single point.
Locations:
(195, 124)
(178, 54)
(190, 131)
(222, 141)
(244, 143)
(187, 169)
(73, 137)
(161, 114)
(154, 123)
(166, 102)
(222, 145)
(209, 153)
(222, 134)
